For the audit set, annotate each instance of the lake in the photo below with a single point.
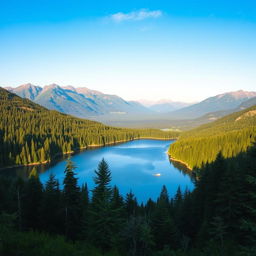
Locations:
(140, 166)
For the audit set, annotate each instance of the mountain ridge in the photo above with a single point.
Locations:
(80, 102)
(163, 105)
(87, 103)
(221, 102)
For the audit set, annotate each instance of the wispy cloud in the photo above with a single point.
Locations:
(136, 15)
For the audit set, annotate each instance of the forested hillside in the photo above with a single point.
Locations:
(30, 133)
(217, 218)
(231, 135)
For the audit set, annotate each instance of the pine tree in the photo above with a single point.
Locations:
(42, 155)
(33, 152)
(118, 212)
(102, 190)
(32, 201)
(248, 202)
(103, 217)
(138, 236)
(131, 205)
(163, 226)
(51, 206)
(85, 212)
(72, 204)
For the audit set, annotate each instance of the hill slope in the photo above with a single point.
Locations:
(30, 133)
(230, 134)
(221, 102)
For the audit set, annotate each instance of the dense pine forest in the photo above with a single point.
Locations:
(217, 218)
(231, 135)
(31, 134)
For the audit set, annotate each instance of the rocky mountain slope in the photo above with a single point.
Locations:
(80, 102)
(229, 101)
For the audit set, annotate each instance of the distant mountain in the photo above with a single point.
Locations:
(167, 107)
(164, 105)
(247, 104)
(223, 102)
(80, 102)
(28, 91)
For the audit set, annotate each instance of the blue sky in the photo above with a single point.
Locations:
(183, 50)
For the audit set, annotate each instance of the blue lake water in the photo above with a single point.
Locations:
(133, 165)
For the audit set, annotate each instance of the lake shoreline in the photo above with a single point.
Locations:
(92, 146)
(180, 162)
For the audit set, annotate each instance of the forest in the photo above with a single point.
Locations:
(32, 134)
(231, 135)
(217, 218)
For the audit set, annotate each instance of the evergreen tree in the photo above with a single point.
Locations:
(163, 226)
(131, 205)
(72, 204)
(138, 237)
(102, 215)
(248, 200)
(32, 199)
(51, 206)
(118, 213)
(85, 211)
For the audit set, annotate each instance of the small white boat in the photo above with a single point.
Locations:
(157, 174)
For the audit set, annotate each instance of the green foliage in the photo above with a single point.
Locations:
(41, 244)
(33, 173)
(163, 226)
(32, 199)
(230, 135)
(30, 133)
(51, 209)
(138, 237)
(72, 202)
(217, 218)
(103, 216)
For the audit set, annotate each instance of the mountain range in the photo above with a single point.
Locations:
(163, 105)
(227, 103)
(80, 102)
(113, 110)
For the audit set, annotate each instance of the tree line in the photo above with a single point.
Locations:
(230, 135)
(217, 218)
(30, 133)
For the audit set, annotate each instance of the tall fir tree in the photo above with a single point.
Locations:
(32, 199)
(72, 202)
(163, 225)
(102, 214)
(51, 215)
(85, 201)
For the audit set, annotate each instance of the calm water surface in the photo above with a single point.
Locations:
(133, 165)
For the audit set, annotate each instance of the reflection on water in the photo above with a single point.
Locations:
(182, 168)
(142, 166)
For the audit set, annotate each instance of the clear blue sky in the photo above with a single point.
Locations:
(183, 50)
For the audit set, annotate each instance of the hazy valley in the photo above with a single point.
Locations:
(115, 111)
